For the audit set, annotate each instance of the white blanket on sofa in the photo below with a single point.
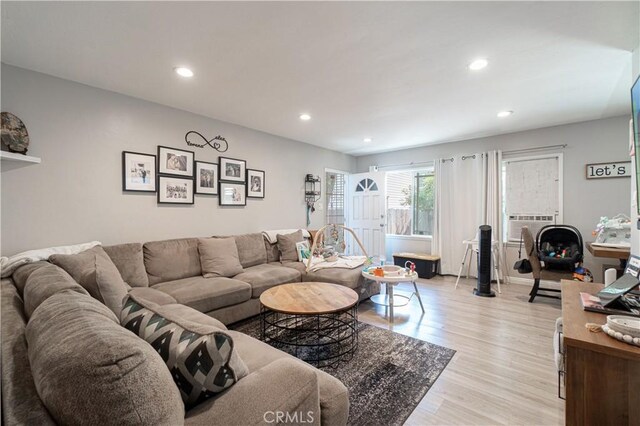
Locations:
(344, 262)
(10, 264)
(272, 236)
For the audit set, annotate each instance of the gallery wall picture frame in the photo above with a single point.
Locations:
(232, 169)
(206, 180)
(232, 194)
(255, 183)
(175, 162)
(138, 172)
(175, 190)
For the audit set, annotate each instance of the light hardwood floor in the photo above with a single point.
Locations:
(503, 371)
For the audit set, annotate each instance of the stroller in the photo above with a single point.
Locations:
(560, 247)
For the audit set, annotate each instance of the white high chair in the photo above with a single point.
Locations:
(472, 247)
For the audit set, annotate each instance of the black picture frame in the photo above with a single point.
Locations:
(252, 174)
(175, 162)
(197, 180)
(175, 196)
(224, 197)
(226, 168)
(129, 182)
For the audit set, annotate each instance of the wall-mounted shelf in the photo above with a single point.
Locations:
(11, 156)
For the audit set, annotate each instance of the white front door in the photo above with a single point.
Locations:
(366, 212)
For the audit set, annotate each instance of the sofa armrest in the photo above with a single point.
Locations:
(284, 390)
(153, 295)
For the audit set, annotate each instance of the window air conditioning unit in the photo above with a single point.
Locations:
(534, 221)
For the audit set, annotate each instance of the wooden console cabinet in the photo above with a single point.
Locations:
(602, 381)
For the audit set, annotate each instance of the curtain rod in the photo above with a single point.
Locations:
(464, 157)
(419, 163)
(539, 148)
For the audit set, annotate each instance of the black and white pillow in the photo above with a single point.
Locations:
(201, 364)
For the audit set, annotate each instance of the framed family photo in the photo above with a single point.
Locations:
(173, 161)
(138, 172)
(255, 183)
(175, 190)
(232, 169)
(206, 178)
(232, 194)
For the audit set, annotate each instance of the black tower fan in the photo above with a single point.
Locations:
(484, 263)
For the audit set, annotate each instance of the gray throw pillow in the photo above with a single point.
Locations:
(219, 257)
(94, 270)
(287, 246)
(251, 249)
(201, 357)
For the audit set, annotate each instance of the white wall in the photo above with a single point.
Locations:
(584, 201)
(75, 194)
(635, 233)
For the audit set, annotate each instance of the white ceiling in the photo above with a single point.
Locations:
(395, 72)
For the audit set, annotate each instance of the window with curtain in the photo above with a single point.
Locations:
(410, 202)
(334, 194)
(532, 193)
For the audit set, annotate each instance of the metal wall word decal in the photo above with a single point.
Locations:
(218, 143)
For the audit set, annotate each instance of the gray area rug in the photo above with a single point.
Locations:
(387, 377)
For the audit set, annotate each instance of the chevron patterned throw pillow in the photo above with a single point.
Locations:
(201, 365)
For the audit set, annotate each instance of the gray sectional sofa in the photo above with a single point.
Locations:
(51, 325)
(172, 267)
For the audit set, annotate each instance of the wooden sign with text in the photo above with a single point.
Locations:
(609, 170)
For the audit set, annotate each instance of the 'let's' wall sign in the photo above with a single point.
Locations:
(609, 170)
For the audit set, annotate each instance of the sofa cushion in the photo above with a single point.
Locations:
(170, 260)
(44, 282)
(129, 260)
(201, 358)
(219, 257)
(273, 254)
(298, 266)
(284, 384)
(206, 294)
(287, 246)
(94, 270)
(263, 277)
(251, 249)
(351, 278)
(90, 370)
(334, 396)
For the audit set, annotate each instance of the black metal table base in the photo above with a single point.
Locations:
(322, 340)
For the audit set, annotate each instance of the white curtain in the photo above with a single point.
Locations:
(468, 194)
(492, 201)
(458, 208)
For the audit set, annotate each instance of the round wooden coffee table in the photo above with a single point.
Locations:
(316, 322)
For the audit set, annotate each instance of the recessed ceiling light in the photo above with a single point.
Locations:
(478, 64)
(305, 117)
(503, 114)
(183, 72)
(367, 140)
